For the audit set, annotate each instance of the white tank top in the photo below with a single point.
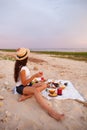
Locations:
(27, 71)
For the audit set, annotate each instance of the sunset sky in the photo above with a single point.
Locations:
(43, 23)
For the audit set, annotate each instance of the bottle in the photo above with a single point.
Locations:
(59, 91)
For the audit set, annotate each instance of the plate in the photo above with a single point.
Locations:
(52, 95)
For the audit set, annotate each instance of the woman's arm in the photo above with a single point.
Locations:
(26, 81)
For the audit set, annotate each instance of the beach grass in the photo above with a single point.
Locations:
(8, 50)
(81, 56)
(7, 56)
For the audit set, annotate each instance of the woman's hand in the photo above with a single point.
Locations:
(39, 74)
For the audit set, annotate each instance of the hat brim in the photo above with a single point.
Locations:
(22, 58)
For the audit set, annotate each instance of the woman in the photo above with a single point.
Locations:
(23, 82)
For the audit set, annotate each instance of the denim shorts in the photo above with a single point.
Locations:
(20, 88)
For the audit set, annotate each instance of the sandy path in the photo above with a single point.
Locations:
(28, 115)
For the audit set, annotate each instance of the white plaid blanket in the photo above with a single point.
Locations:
(69, 92)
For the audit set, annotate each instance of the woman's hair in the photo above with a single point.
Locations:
(18, 65)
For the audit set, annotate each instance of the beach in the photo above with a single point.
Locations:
(28, 115)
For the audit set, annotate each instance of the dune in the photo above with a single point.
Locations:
(28, 115)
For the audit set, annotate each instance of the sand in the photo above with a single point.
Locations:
(28, 115)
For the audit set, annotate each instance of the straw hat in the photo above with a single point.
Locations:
(22, 53)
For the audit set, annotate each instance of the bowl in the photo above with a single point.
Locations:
(51, 91)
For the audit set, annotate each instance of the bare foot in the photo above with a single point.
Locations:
(56, 116)
(23, 97)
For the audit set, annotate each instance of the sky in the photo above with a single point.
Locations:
(43, 24)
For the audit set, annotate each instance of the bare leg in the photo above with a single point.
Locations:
(28, 92)
(24, 97)
(46, 106)
(41, 84)
(41, 87)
